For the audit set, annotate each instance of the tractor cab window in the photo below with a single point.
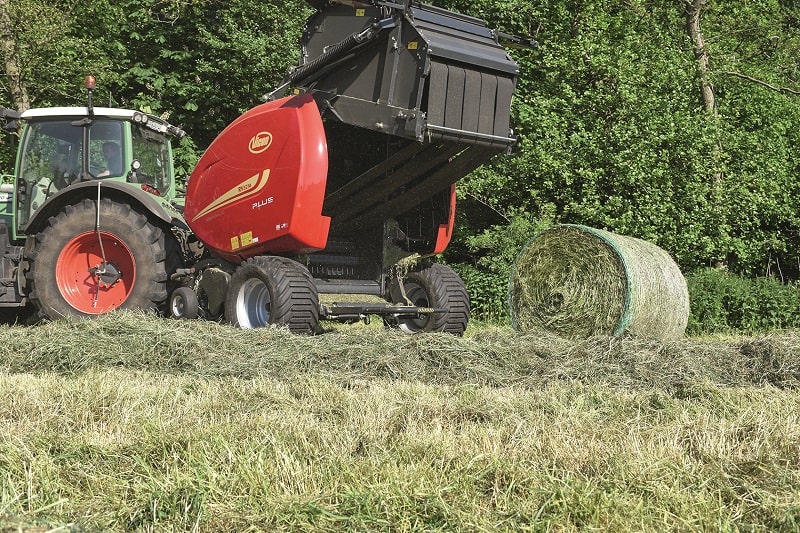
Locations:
(105, 149)
(152, 150)
(50, 160)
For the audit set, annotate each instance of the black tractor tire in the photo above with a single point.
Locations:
(17, 316)
(432, 285)
(60, 282)
(184, 304)
(273, 290)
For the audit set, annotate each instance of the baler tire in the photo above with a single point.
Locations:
(433, 285)
(183, 304)
(268, 290)
(59, 281)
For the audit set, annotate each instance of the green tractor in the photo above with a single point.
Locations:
(86, 219)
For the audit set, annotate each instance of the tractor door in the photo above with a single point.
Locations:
(50, 158)
(153, 152)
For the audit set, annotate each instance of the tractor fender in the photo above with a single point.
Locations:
(116, 190)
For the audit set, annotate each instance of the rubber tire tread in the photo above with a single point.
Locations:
(444, 288)
(145, 240)
(294, 301)
(191, 306)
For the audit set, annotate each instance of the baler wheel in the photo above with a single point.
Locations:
(273, 290)
(433, 285)
(68, 275)
(184, 303)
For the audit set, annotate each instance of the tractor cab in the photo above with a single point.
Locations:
(64, 146)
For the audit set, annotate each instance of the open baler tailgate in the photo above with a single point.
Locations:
(471, 80)
(421, 73)
(430, 91)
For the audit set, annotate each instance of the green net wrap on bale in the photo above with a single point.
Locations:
(577, 282)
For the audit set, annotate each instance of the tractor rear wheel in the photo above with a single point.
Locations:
(17, 315)
(433, 285)
(273, 290)
(78, 270)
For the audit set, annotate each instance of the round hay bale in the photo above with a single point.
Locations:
(577, 282)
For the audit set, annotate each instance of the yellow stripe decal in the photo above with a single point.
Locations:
(245, 189)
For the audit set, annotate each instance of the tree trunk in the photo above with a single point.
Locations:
(693, 9)
(9, 54)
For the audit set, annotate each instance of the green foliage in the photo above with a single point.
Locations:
(727, 303)
(50, 60)
(51, 56)
(185, 156)
(199, 64)
(609, 130)
(488, 293)
(613, 134)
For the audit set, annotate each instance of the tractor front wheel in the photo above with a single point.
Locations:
(184, 303)
(432, 285)
(80, 270)
(273, 290)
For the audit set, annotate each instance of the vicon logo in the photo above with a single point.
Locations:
(260, 142)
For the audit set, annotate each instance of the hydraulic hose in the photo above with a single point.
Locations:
(333, 54)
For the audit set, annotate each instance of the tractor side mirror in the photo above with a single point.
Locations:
(10, 119)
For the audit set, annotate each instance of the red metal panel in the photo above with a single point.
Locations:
(259, 187)
(445, 232)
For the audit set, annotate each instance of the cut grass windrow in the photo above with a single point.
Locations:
(132, 423)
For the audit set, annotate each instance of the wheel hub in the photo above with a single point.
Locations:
(106, 273)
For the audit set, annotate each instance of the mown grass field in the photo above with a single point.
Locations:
(130, 422)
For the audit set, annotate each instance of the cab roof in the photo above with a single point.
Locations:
(104, 112)
(153, 122)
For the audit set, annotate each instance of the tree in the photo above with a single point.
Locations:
(615, 134)
(199, 63)
(14, 83)
(754, 48)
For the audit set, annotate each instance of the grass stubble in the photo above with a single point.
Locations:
(130, 422)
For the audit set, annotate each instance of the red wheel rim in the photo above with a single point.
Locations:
(80, 287)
